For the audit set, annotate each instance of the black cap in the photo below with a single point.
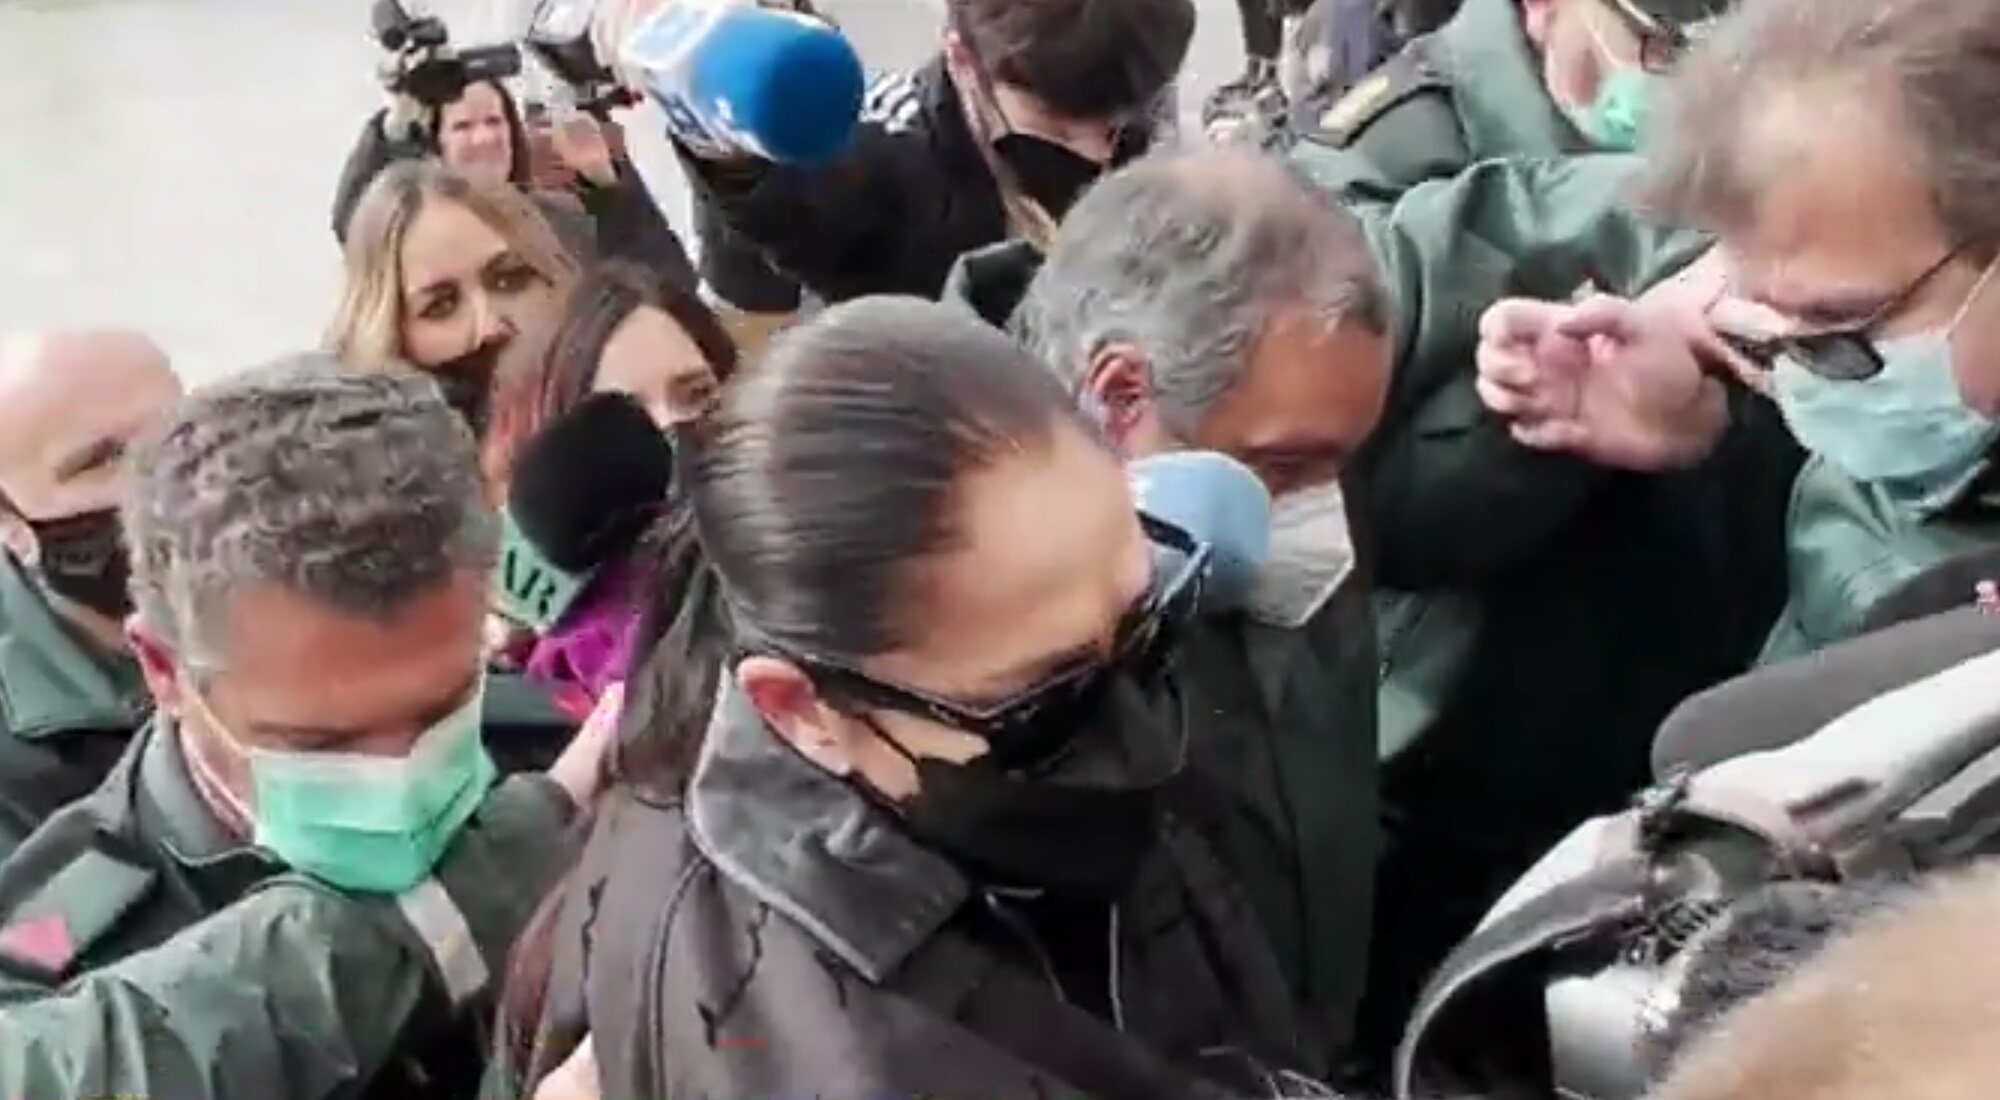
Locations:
(586, 487)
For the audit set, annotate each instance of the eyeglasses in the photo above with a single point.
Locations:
(1037, 725)
(1661, 45)
(1845, 354)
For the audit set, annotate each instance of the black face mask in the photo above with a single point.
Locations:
(1052, 174)
(467, 382)
(1082, 825)
(83, 561)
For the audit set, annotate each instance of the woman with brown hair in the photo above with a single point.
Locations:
(576, 170)
(443, 273)
(593, 474)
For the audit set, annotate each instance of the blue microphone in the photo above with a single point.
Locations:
(734, 79)
(1218, 501)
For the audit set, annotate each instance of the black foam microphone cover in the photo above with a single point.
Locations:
(586, 487)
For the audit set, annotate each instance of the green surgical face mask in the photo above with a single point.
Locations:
(375, 824)
(1616, 120)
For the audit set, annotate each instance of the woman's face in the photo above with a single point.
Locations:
(1049, 563)
(464, 288)
(473, 136)
(651, 358)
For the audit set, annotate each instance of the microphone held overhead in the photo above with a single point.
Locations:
(736, 80)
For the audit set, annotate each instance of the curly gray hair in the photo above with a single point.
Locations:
(1732, 119)
(1188, 257)
(358, 491)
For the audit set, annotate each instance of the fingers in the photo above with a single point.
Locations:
(576, 1079)
(1510, 401)
(1602, 315)
(1521, 321)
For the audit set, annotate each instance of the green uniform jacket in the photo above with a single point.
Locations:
(87, 900)
(1849, 544)
(66, 709)
(1472, 91)
(1539, 616)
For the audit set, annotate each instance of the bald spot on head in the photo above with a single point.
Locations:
(70, 403)
(1907, 1007)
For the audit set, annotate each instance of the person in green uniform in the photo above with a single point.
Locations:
(70, 693)
(1508, 78)
(310, 552)
(1847, 158)
(1497, 561)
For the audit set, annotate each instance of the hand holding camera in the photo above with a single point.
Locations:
(423, 67)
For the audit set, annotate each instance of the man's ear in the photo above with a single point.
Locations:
(1118, 392)
(1536, 17)
(787, 701)
(158, 665)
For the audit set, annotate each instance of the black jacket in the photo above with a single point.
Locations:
(619, 222)
(771, 934)
(892, 214)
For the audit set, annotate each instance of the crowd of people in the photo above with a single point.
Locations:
(1478, 583)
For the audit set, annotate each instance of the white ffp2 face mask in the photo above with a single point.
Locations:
(1312, 552)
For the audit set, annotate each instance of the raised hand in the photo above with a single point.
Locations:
(1607, 379)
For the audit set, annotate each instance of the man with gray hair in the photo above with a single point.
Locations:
(1848, 156)
(311, 551)
(1212, 301)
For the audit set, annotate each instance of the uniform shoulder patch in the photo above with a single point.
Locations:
(88, 896)
(1407, 74)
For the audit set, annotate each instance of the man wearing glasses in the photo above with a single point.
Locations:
(1847, 161)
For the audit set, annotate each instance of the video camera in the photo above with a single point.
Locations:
(557, 32)
(425, 67)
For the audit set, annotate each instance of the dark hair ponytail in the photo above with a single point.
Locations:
(802, 506)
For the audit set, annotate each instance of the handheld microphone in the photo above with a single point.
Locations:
(1218, 501)
(583, 492)
(735, 79)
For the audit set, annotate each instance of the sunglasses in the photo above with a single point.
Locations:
(1845, 354)
(1036, 725)
(1661, 45)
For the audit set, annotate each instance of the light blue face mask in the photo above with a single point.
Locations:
(1221, 504)
(1909, 423)
(1616, 120)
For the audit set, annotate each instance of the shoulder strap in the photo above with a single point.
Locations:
(82, 898)
(1607, 897)
(1404, 77)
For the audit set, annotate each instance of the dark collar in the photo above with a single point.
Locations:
(172, 815)
(806, 844)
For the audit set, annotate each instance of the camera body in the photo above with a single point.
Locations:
(424, 66)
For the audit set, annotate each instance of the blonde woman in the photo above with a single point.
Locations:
(443, 272)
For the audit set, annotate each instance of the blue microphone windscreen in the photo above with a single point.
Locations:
(1218, 501)
(791, 83)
